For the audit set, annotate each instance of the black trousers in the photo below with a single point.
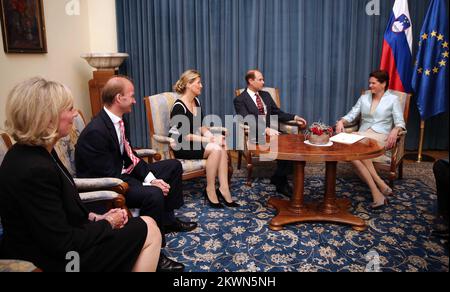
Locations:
(441, 174)
(151, 200)
(284, 168)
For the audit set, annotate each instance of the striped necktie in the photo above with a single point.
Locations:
(259, 104)
(127, 148)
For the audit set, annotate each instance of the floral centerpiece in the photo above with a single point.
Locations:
(319, 133)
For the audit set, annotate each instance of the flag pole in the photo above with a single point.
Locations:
(420, 156)
(422, 134)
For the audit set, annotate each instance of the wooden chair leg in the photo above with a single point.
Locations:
(239, 159)
(249, 174)
(230, 169)
(400, 170)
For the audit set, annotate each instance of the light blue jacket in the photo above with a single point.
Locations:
(389, 112)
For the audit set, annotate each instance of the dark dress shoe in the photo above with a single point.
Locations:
(278, 180)
(440, 233)
(285, 189)
(211, 204)
(167, 265)
(180, 226)
(228, 204)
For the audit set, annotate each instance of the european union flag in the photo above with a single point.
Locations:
(431, 73)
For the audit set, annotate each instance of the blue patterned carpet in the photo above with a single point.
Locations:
(238, 239)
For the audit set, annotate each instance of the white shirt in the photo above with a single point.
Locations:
(253, 96)
(116, 121)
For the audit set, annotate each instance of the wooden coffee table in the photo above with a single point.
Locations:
(332, 209)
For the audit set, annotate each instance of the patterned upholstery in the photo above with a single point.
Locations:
(65, 148)
(88, 197)
(3, 150)
(90, 184)
(193, 165)
(3, 146)
(158, 108)
(161, 120)
(404, 101)
(145, 152)
(288, 129)
(16, 266)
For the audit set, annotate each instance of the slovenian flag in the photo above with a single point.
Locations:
(396, 58)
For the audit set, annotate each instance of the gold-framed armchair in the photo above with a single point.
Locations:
(158, 108)
(290, 127)
(393, 165)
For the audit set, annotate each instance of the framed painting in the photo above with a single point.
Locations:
(23, 26)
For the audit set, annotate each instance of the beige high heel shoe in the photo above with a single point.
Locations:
(387, 192)
(377, 206)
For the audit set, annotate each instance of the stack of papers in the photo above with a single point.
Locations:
(345, 138)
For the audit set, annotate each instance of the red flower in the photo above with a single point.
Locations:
(317, 131)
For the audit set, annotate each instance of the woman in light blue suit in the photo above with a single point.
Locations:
(381, 119)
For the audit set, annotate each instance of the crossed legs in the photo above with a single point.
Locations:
(367, 172)
(217, 166)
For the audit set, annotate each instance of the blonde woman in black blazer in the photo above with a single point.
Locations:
(42, 214)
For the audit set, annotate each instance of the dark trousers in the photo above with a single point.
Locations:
(441, 174)
(151, 200)
(284, 168)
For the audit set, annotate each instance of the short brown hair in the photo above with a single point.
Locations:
(114, 86)
(251, 74)
(382, 76)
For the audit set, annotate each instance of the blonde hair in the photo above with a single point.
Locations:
(186, 78)
(33, 108)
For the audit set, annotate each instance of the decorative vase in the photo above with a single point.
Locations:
(319, 140)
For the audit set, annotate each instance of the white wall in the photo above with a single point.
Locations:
(94, 29)
(102, 26)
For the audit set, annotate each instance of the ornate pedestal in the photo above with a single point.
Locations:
(106, 65)
(95, 88)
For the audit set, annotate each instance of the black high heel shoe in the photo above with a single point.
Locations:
(232, 204)
(213, 205)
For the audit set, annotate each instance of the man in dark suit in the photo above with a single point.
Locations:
(103, 150)
(255, 102)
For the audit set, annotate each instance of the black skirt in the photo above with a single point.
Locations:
(191, 154)
(119, 252)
